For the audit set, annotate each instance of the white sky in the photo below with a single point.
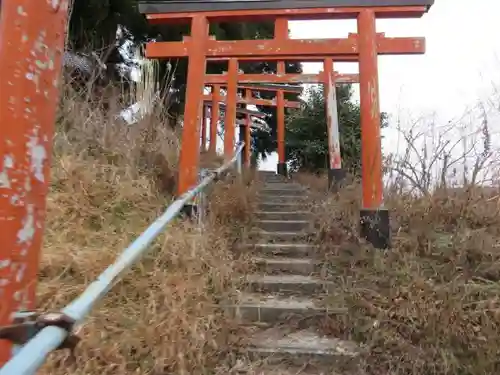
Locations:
(459, 68)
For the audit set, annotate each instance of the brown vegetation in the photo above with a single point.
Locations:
(430, 304)
(162, 317)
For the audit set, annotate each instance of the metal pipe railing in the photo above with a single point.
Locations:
(31, 356)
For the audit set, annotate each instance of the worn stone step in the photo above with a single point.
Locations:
(290, 250)
(282, 344)
(244, 366)
(282, 215)
(286, 369)
(273, 308)
(296, 198)
(276, 192)
(275, 180)
(288, 284)
(264, 237)
(272, 177)
(283, 225)
(281, 206)
(278, 265)
(284, 186)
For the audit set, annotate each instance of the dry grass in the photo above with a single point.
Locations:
(430, 305)
(162, 317)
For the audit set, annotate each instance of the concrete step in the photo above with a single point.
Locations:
(282, 215)
(281, 206)
(281, 344)
(282, 225)
(279, 265)
(289, 250)
(277, 192)
(288, 284)
(283, 369)
(284, 186)
(272, 177)
(275, 180)
(263, 237)
(275, 308)
(296, 198)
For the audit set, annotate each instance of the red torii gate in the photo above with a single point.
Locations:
(363, 47)
(247, 99)
(329, 78)
(214, 106)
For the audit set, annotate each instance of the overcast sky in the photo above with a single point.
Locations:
(460, 66)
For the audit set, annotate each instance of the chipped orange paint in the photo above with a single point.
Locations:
(204, 129)
(248, 133)
(214, 119)
(31, 46)
(281, 36)
(292, 89)
(257, 101)
(292, 14)
(189, 155)
(211, 79)
(332, 119)
(337, 58)
(371, 148)
(272, 47)
(230, 118)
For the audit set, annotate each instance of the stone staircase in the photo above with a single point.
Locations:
(286, 288)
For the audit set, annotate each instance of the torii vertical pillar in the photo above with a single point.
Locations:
(31, 46)
(190, 150)
(248, 141)
(204, 129)
(231, 101)
(248, 133)
(214, 120)
(281, 33)
(374, 217)
(336, 174)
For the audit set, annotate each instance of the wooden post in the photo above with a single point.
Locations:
(189, 155)
(335, 173)
(248, 133)
(230, 118)
(31, 46)
(370, 112)
(204, 129)
(281, 33)
(374, 220)
(214, 119)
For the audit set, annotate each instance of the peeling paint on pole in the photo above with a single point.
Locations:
(31, 46)
(371, 149)
(332, 117)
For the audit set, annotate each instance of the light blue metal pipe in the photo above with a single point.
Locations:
(32, 356)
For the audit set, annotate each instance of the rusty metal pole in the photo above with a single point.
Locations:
(336, 174)
(214, 119)
(189, 155)
(281, 33)
(231, 100)
(374, 218)
(32, 36)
